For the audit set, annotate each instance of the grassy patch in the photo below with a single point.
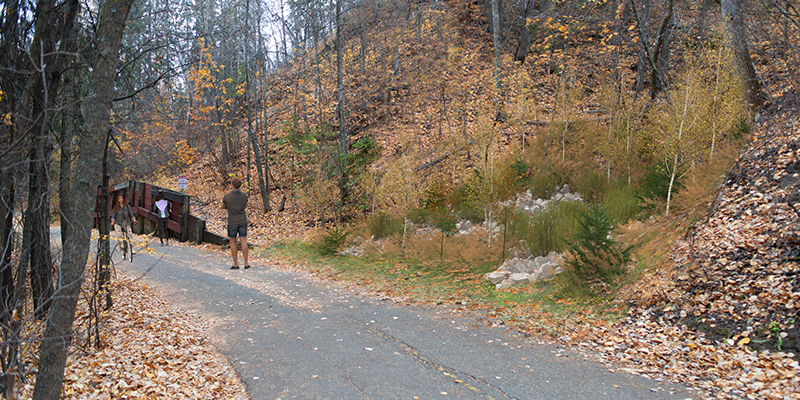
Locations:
(551, 307)
(548, 230)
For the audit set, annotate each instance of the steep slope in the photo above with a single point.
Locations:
(738, 268)
(728, 299)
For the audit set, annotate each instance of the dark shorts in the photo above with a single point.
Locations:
(241, 229)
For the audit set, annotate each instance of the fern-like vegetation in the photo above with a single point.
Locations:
(593, 254)
(333, 240)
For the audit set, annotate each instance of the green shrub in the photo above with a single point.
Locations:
(445, 220)
(741, 128)
(543, 184)
(655, 184)
(593, 254)
(419, 216)
(512, 179)
(435, 196)
(520, 170)
(382, 224)
(592, 186)
(332, 241)
(621, 203)
(470, 199)
(545, 231)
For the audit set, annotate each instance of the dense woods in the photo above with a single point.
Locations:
(350, 110)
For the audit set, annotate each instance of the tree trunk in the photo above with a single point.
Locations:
(284, 37)
(498, 77)
(701, 19)
(524, 36)
(58, 331)
(225, 138)
(344, 137)
(38, 215)
(661, 52)
(261, 184)
(39, 94)
(39, 100)
(8, 159)
(70, 125)
(643, 62)
(362, 57)
(251, 135)
(104, 228)
(621, 17)
(736, 44)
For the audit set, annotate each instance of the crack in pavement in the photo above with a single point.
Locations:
(349, 377)
(464, 379)
(201, 280)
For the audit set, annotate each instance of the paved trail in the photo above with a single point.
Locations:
(290, 336)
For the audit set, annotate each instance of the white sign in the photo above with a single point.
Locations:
(183, 182)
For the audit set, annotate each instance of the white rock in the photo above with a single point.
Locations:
(547, 271)
(498, 276)
(556, 257)
(534, 277)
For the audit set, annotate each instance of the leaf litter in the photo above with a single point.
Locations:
(150, 350)
(722, 315)
(710, 319)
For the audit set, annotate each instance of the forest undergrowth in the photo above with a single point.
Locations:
(391, 154)
(660, 170)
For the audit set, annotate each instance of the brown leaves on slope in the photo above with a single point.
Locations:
(729, 299)
(645, 345)
(739, 268)
(151, 351)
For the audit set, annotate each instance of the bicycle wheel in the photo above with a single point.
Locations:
(128, 245)
(123, 248)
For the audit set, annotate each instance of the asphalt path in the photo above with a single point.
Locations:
(293, 336)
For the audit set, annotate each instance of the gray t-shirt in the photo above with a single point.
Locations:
(236, 200)
(123, 216)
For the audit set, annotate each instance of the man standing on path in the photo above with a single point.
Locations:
(235, 202)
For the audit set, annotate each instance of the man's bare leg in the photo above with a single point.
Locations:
(243, 239)
(234, 253)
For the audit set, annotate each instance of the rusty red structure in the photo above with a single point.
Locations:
(182, 225)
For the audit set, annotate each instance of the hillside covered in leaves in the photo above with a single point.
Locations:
(404, 130)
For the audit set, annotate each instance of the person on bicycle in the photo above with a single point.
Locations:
(121, 218)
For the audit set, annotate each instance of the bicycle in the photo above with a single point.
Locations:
(125, 244)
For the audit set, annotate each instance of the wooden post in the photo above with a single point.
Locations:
(201, 228)
(136, 188)
(146, 202)
(185, 218)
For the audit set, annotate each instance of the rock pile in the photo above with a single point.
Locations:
(521, 268)
(517, 270)
(525, 202)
